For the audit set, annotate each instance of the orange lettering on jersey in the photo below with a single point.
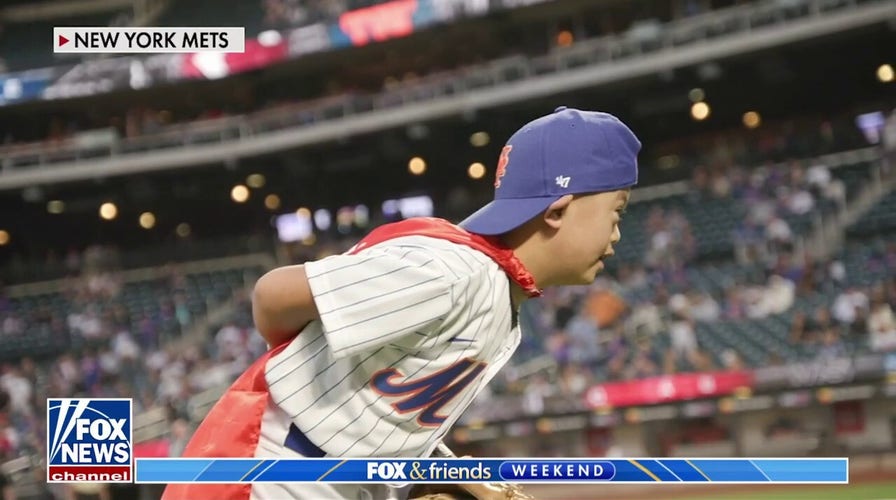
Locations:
(503, 160)
(429, 393)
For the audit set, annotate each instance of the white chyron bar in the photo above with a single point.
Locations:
(93, 40)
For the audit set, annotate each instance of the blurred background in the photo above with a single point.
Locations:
(748, 310)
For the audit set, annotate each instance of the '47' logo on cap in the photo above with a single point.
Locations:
(89, 440)
(503, 160)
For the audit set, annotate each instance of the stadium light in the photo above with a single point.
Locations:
(345, 216)
(667, 162)
(147, 220)
(565, 38)
(699, 111)
(322, 219)
(272, 202)
(696, 94)
(4, 237)
(479, 139)
(476, 170)
(362, 216)
(182, 230)
(108, 211)
(55, 206)
(417, 166)
(239, 193)
(752, 119)
(885, 73)
(255, 181)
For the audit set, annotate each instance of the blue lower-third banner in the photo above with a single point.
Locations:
(470, 470)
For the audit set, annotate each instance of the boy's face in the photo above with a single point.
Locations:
(588, 230)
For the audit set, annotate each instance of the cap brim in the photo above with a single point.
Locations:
(501, 216)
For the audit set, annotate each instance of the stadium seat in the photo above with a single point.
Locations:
(140, 298)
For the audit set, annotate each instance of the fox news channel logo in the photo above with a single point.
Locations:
(89, 440)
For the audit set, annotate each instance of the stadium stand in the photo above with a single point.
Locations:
(156, 310)
(616, 45)
(26, 40)
(881, 219)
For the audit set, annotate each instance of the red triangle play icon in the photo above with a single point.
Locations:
(62, 40)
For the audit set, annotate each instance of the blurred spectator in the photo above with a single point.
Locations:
(837, 272)
(703, 307)
(850, 306)
(179, 437)
(230, 340)
(646, 319)
(831, 345)
(702, 361)
(535, 393)
(671, 242)
(603, 305)
(684, 339)
(557, 344)
(778, 233)
(881, 325)
(88, 491)
(732, 361)
(6, 489)
(819, 179)
(575, 379)
(285, 13)
(809, 329)
(799, 201)
(584, 339)
(734, 306)
(645, 361)
(18, 389)
(125, 348)
(182, 309)
(776, 297)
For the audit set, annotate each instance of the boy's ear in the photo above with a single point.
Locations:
(553, 215)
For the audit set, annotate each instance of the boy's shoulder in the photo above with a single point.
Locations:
(457, 261)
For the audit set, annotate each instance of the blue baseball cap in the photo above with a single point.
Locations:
(567, 152)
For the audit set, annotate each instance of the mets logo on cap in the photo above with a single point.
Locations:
(501, 169)
(89, 440)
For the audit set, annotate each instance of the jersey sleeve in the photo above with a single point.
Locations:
(369, 299)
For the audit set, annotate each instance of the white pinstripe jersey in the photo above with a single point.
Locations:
(410, 331)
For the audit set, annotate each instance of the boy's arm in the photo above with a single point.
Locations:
(282, 304)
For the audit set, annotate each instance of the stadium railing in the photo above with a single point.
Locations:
(18, 271)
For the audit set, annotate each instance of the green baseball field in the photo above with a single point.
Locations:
(874, 489)
(862, 491)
